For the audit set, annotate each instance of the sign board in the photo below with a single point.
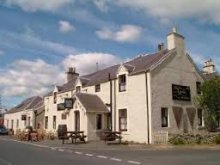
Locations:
(60, 107)
(181, 93)
(68, 103)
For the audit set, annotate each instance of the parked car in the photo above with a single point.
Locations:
(3, 130)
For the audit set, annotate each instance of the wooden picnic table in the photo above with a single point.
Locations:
(74, 135)
(112, 136)
(31, 136)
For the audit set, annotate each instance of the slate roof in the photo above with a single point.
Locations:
(92, 103)
(30, 103)
(138, 65)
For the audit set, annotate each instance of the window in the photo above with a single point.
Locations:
(54, 122)
(12, 124)
(29, 121)
(97, 88)
(122, 83)
(99, 121)
(46, 122)
(78, 89)
(200, 117)
(164, 117)
(55, 97)
(17, 124)
(123, 119)
(198, 87)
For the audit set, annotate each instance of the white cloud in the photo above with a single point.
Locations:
(206, 10)
(101, 4)
(126, 33)
(34, 5)
(86, 63)
(65, 26)
(26, 78)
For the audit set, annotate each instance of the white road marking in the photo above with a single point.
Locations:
(5, 161)
(133, 162)
(62, 150)
(89, 155)
(116, 159)
(101, 156)
(79, 153)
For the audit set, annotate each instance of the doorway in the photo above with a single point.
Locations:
(77, 120)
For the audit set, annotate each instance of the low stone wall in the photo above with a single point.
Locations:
(209, 138)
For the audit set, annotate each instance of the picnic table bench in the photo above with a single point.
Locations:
(30, 136)
(73, 135)
(112, 136)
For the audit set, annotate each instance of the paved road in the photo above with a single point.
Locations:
(19, 153)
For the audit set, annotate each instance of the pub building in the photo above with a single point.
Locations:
(147, 96)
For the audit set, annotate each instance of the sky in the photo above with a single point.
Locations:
(40, 39)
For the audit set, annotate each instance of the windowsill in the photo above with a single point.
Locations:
(122, 91)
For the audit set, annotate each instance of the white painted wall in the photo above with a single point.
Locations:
(176, 70)
(17, 116)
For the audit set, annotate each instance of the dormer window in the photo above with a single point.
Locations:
(122, 83)
(55, 97)
(97, 88)
(78, 89)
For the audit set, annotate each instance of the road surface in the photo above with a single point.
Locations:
(13, 152)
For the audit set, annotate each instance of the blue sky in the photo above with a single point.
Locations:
(41, 38)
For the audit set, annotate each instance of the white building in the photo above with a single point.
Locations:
(24, 114)
(140, 98)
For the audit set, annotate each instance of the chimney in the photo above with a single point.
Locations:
(176, 40)
(209, 67)
(71, 74)
(160, 47)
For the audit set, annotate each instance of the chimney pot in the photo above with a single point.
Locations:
(174, 29)
(160, 46)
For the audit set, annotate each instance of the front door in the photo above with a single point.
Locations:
(77, 120)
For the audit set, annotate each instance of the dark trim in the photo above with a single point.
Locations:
(147, 104)
(115, 105)
(109, 77)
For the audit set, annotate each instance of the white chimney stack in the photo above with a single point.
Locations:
(70, 74)
(176, 40)
(209, 67)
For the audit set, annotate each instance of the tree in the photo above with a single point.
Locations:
(209, 102)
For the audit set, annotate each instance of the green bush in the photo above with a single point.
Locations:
(217, 139)
(194, 139)
(177, 140)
